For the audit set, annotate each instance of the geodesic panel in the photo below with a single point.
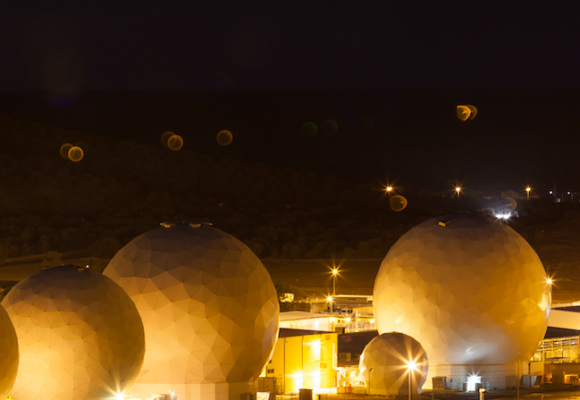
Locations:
(468, 288)
(80, 335)
(392, 363)
(209, 306)
(8, 354)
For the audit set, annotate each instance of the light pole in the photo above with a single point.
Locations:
(334, 275)
(329, 299)
(528, 190)
(518, 375)
(458, 190)
(410, 368)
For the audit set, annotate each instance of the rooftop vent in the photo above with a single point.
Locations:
(197, 224)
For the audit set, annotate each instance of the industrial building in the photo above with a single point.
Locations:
(303, 359)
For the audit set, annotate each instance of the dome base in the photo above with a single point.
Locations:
(471, 377)
(192, 391)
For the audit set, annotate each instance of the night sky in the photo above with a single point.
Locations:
(390, 74)
(288, 45)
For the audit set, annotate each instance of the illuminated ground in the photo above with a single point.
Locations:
(545, 393)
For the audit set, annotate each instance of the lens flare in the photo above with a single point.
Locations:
(509, 204)
(309, 129)
(175, 142)
(64, 150)
(398, 203)
(329, 127)
(83, 145)
(165, 138)
(75, 154)
(224, 137)
(473, 111)
(463, 112)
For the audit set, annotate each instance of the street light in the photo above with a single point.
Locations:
(411, 365)
(528, 190)
(457, 190)
(388, 189)
(334, 275)
(329, 299)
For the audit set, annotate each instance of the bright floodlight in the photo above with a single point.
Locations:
(528, 189)
(503, 215)
(209, 308)
(389, 361)
(335, 271)
(472, 291)
(329, 298)
(80, 335)
(389, 188)
(549, 281)
(458, 189)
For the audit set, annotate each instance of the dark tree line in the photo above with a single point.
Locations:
(122, 189)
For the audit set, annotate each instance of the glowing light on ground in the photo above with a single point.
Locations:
(224, 137)
(472, 380)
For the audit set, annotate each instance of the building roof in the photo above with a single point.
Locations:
(285, 332)
(294, 315)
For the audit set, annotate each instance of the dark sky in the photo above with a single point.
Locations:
(390, 73)
(287, 45)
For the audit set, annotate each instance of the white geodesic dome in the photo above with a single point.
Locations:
(9, 355)
(468, 288)
(209, 306)
(390, 362)
(80, 336)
